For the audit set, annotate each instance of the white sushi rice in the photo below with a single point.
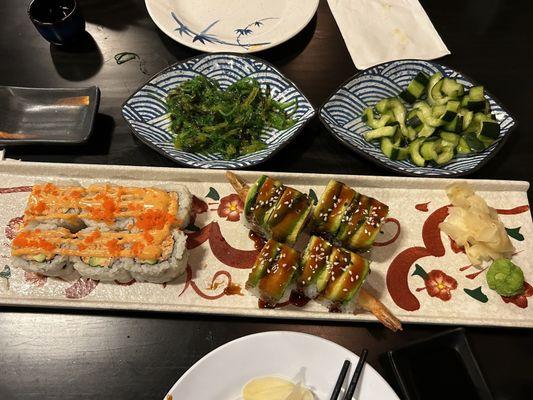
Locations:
(118, 270)
(59, 266)
(120, 224)
(255, 291)
(184, 205)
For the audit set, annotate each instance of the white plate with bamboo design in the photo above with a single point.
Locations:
(240, 26)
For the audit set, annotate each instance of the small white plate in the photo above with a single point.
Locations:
(239, 26)
(221, 374)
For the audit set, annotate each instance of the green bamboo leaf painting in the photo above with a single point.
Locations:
(515, 233)
(213, 194)
(477, 294)
(420, 272)
(6, 273)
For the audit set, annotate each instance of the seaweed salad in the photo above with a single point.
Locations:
(206, 119)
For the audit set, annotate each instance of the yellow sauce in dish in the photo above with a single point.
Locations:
(273, 388)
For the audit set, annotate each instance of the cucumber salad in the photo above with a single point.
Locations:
(443, 119)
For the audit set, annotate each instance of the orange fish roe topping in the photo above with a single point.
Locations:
(114, 247)
(37, 190)
(148, 237)
(45, 245)
(106, 212)
(40, 207)
(92, 237)
(81, 247)
(50, 188)
(137, 248)
(21, 239)
(154, 219)
(135, 207)
(76, 194)
(27, 239)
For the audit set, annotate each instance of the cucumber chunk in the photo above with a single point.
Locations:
(427, 150)
(414, 152)
(473, 142)
(463, 147)
(489, 130)
(476, 93)
(386, 131)
(450, 137)
(415, 89)
(370, 119)
(445, 155)
(452, 88)
(392, 151)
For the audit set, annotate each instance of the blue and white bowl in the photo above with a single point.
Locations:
(146, 112)
(341, 114)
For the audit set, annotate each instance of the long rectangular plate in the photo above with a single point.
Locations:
(416, 271)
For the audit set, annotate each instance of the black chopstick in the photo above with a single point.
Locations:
(356, 375)
(340, 380)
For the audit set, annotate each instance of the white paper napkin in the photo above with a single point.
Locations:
(376, 31)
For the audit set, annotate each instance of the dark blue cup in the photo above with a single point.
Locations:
(58, 21)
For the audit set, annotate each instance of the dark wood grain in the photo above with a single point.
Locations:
(88, 355)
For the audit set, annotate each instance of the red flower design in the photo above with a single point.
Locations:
(13, 227)
(230, 207)
(35, 279)
(440, 285)
(520, 300)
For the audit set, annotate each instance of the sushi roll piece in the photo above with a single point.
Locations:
(348, 272)
(263, 261)
(154, 256)
(349, 219)
(35, 250)
(99, 256)
(331, 207)
(272, 277)
(315, 267)
(168, 266)
(368, 228)
(353, 218)
(261, 198)
(121, 208)
(50, 204)
(289, 216)
(105, 269)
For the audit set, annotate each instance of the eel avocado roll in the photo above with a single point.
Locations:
(331, 207)
(348, 272)
(272, 277)
(353, 218)
(262, 196)
(347, 218)
(315, 267)
(36, 250)
(289, 216)
(368, 227)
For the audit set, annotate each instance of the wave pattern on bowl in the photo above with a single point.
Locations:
(342, 115)
(147, 115)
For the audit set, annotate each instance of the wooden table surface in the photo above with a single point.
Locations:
(59, 354)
